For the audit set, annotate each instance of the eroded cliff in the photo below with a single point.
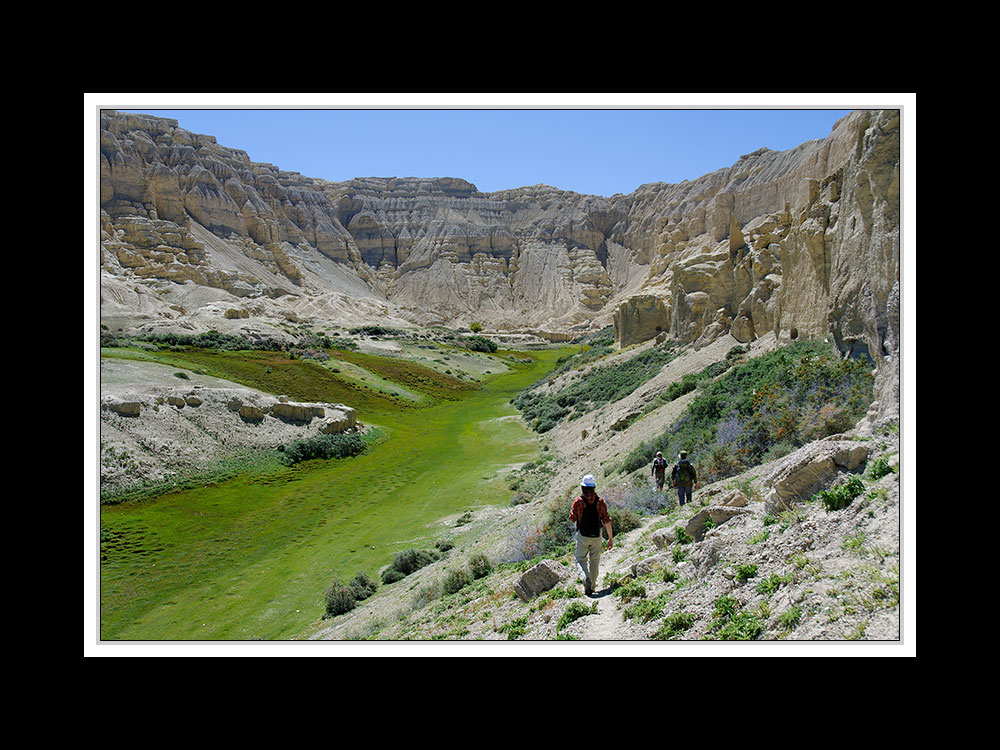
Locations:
(801, 243)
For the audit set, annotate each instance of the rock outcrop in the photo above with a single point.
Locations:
(814, 466)
(799, 243)
(151, 431)
(641, 318)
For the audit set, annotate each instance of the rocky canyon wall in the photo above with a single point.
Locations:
(801, 243)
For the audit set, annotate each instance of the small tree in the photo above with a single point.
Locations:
(455, 580)
(362, 586)
(475, 328)
(480, 566)
(339, 599)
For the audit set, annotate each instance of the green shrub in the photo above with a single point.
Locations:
(763, 407)
(647, 609)
(341, 445)
(731, 623)
(745, 572)
(842, 495)
(339, 599)
(735, 352)
(677, 389)
(674, 625)
(455, 580)
(790, 618)
(629, 590)
(408, 561)
(480, 344)
(623, 520)
(362, 586)
(721, 462)
(213, 340)
(772, 583)
(549, 537)
(375, 331)
(879, 468)
(574, 612)
(515, 628)
(600, 386)
(391, 575)
(480, 566)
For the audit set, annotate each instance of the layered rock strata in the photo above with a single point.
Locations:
(801, 243)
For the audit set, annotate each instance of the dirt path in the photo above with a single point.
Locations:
(608, 624)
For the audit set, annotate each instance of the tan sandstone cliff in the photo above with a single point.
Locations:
(801, 243)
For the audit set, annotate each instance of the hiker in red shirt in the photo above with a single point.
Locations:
(659, 470)
(589, 512)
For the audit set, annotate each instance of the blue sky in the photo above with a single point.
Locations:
(590, 151)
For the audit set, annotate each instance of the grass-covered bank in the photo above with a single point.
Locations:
(754, 411)
(250, 557)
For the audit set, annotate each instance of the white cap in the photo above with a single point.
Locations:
(588, 481)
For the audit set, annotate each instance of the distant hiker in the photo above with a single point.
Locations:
(590, 513)
(659, 470)
(684, 478)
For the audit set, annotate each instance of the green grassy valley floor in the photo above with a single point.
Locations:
(250, 558)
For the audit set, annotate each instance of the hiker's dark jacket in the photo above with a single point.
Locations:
(589, 519)
(659, 466)
(691, 478)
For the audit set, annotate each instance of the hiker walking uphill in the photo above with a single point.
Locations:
(589, 512)
(684, 478)
(659, 470)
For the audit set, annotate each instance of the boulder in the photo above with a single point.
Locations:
(663, 538)
(251, 413)
(717, 513)
(125, 408)
(811, 468)
(341, 418)
(734, 499)
(652, 564)
(540, 578)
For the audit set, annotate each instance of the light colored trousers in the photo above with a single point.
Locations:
(588, 557)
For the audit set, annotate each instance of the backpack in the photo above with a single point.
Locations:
(684, 472)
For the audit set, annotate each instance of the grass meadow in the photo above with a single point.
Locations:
(250, 557)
